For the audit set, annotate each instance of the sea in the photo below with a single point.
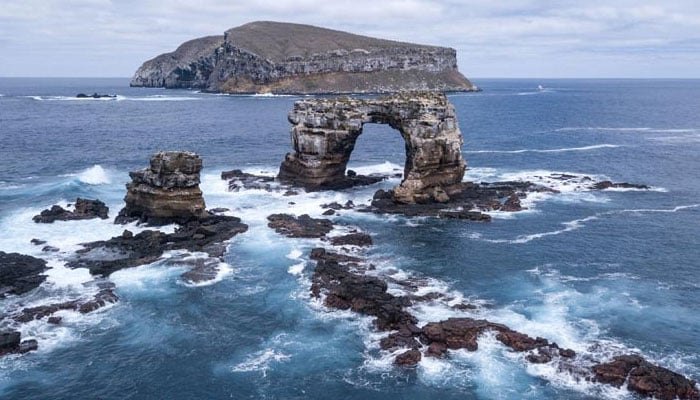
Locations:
(601, 272)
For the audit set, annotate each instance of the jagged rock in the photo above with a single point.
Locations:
(337, 206)
(363, 294)
(37, 242)
(325, 130)
(10, 343)
(276, 57)
(20, 273)
(84, 209)
(166, 192)
(352, 239)
(645, 378)
(238, 179)
(9, 340)
(299, 227)
(128, 250)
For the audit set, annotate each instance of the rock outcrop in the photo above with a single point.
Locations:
(324, 132)
(206, 234)
(84, 209)
(262, 57)
(166, 192)
(20, 273)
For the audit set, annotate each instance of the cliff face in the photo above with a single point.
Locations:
(291, 58)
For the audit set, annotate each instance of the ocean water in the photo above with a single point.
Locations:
(603, 273)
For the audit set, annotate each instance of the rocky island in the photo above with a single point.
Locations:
(285, 58)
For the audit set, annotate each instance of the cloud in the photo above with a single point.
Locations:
(504, 38)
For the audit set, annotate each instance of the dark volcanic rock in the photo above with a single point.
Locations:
(10, 343)
(238, 179)
(20, 273)
(129, 250)
(362, 294)
(340, 279)
(84, 209)
(300, 227)
(95, 96)
(203, 270)
(277, 57)
(618, 185)
(166, 192)
(103, 297)
(645, 378)
(352, 239)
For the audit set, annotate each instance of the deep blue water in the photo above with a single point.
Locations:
(600, 272)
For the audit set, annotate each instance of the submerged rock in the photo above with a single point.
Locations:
(166, 192)
(84, 209)
(299, 227)
(104, 296)
(20, 273)
(352, 239)
(95, 96)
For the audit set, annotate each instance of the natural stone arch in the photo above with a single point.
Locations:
(324, 132)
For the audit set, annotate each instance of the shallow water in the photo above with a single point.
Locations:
(600, 272)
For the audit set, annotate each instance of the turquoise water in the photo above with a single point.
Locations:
(600, 272)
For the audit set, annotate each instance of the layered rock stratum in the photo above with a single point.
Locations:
(166, 192)
(284, 58)
(324, 132)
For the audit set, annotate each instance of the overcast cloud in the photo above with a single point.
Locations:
(504, 38)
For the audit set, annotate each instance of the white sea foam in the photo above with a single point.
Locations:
(561, 150)
(159, 97)
(261, 361)
(580, 223)
(95, 175)
(151, 280)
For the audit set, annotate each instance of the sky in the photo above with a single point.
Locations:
(493, 38)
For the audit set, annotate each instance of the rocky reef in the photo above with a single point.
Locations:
(276, 57)
(324, 132)
(349, 282)
(166, 192)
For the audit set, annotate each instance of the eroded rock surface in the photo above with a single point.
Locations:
(166, 192)
(83, 209)
(324, 132)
